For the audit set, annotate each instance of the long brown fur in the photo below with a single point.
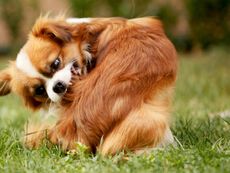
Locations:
(124, 102)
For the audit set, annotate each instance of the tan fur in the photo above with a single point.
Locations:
(35, 133)
(13, 80)
(5, 79)
(124, 102)
(143, 127)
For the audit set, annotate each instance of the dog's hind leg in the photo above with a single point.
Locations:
(142, 129)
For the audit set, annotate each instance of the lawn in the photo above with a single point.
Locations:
(202, 95)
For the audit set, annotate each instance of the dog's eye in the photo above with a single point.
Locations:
(40, 90)
(55, 65)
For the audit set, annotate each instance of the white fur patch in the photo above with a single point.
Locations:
(78, 20)
(86, 53)
(168, 139)
(24, 64)
(64, 75)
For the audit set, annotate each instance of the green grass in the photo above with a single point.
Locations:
(202, 92)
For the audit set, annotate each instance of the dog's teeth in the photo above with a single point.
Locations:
(74, 71)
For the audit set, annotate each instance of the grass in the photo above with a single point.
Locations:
(202, 92)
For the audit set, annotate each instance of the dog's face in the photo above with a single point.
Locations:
(44, 66)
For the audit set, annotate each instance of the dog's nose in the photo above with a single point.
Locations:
(59, 87)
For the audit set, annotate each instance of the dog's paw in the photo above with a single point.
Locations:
(35, 134)
(64, 136)
(34, 139)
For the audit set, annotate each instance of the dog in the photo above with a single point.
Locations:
(122, 102)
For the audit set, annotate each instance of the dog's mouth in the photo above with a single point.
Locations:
(75, 69)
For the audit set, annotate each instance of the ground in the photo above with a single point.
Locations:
(201, 128)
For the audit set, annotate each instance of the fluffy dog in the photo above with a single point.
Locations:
(122, 104)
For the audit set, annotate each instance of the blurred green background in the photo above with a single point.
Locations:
(200, 30)
(192, 25)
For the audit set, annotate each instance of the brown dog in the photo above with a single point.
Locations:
(122, 104)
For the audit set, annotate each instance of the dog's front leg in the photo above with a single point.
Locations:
(64, 133)
(35, 134)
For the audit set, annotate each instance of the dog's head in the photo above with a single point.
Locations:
(45, 65)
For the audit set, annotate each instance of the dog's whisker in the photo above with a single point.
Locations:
(34, 132)
(3, 86)
(49, 108)
(46, 101)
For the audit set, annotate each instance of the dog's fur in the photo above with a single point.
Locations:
(124, 102)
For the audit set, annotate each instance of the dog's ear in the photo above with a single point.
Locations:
(5, 79)
(95, 28)
(87, 31)
(55, 30)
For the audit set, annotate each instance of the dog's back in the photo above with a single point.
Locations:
(124, 103)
